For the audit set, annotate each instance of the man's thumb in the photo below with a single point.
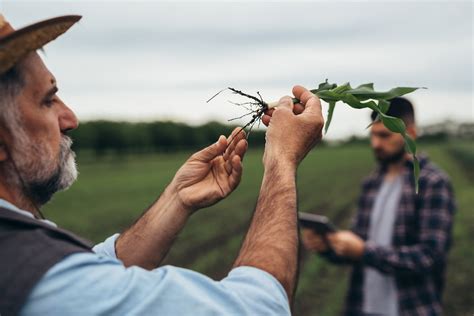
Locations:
(212, 151)
(286, 102)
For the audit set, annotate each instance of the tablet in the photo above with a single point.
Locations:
(320, 224)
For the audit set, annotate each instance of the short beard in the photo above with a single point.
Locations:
(36, 173)
(391, 159)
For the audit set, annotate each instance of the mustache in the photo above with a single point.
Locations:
(65, 147)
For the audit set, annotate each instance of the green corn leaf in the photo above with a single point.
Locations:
(394, 124)
(342, 88)
(416, 172)
(324, 86)
(352, 101)
(329, 95)
(411, 148)
(365, 94)
(384, 106)
(410, 144)
(366, 85)
(332, 105)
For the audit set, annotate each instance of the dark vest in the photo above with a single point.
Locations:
(28, 249)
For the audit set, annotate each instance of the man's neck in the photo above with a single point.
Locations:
(19, 200)
(393, 171)
(396, 168)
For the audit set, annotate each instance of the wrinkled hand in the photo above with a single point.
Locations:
(347, 244)
(293, 130)
(313, 241)
(211, 174)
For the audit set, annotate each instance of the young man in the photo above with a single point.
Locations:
(399, 240)
(48, 271)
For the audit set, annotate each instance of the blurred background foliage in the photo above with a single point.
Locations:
(114, 137)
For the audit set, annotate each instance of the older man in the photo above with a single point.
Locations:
(46, 270)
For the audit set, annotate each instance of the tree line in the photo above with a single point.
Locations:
(102, 137)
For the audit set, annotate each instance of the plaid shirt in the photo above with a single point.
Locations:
(420, 242)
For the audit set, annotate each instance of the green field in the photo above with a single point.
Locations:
(111, 193)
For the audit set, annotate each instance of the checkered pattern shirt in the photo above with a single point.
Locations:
(420, 242)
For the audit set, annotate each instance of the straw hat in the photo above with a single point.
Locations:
(16, 44)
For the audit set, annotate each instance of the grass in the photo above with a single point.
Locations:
(112, 192)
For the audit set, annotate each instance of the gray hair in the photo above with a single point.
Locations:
(11, 84)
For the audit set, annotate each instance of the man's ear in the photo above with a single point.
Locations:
(411, 131)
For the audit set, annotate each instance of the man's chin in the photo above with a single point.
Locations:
(386, 160)
(42, 191)
(383, 160)
(68, 173)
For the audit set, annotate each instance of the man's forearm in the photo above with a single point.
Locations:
(271, 243)
(148, 240)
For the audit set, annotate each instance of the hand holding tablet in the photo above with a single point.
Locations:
(318, 223)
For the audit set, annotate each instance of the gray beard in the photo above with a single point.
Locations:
(39, 176)
(42, 190)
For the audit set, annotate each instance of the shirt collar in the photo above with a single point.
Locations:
(9, 206)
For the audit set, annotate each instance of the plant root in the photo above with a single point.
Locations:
(256, 108)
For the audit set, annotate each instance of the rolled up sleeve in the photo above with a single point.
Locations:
(91, 284)
(107, 247)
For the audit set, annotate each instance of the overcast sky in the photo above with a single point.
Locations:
(162, 60)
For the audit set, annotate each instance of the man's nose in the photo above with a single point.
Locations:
(375, 142)
(67, 119)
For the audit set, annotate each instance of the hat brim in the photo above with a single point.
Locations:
(16, 45)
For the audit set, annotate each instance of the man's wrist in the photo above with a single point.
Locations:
(279, 163)
(369, 253)
(171, 194)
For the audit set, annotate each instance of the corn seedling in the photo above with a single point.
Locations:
(361, 97)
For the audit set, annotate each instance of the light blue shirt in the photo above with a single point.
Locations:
(99, 284)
